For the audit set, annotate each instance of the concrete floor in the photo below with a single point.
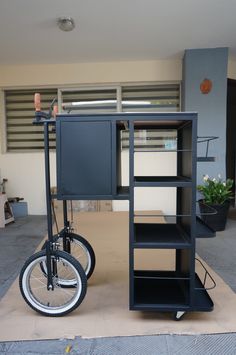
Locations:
(17, 243)
(219, 252)
(224, 344)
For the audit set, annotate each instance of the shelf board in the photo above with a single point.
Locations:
(167, 181)
(153, 150)
(162, 123)
(203, 230)
(206, 159)
(201, 299)
(167, 291)
(122, 193)
(160, 235)
(161, 290)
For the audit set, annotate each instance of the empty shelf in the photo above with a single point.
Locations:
(168, 291)
(165, 235)
(169, 181)
(160, 290)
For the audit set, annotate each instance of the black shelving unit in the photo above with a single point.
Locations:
(94, 142)
(178, 290)
(88, 153)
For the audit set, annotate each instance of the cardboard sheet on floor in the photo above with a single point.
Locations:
(104, 311)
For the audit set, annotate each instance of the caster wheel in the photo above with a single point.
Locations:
(178, 315)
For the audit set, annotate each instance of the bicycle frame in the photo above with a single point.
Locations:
(50, 244)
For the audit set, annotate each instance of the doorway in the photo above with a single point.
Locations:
(230, 132)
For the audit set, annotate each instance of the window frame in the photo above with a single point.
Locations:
(67, 88)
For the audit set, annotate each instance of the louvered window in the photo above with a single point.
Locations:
(22, 135)
(151, 140)
(150, 98)
(89, 100)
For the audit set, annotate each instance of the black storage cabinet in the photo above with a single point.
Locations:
(89, 167)
(88, 158)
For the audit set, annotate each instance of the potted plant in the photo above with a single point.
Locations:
(215, 204)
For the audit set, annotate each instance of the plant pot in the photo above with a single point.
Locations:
(216, 220)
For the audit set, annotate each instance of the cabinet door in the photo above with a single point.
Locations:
(84, 150)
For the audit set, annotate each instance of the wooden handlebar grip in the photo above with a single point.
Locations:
(37, 102)
(55, 111)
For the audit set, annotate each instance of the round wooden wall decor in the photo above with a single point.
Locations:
(206, 86)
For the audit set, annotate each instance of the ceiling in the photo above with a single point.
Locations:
(113, 30)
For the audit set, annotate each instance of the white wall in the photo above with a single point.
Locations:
(25, 171)
(90, 73)
(150, 164)
(25, 174)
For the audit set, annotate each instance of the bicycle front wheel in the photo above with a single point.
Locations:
(80, 249)
(60, 300)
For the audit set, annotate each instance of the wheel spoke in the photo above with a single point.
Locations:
(81, 250)
(60, 299)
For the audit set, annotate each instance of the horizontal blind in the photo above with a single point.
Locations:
(22, 135)
(151, 139)
(150, 98)
(89, 101)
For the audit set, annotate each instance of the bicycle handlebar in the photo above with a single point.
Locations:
(37, 102)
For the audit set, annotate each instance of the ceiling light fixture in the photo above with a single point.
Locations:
(66, 23)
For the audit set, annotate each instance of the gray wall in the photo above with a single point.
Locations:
(199, 64)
